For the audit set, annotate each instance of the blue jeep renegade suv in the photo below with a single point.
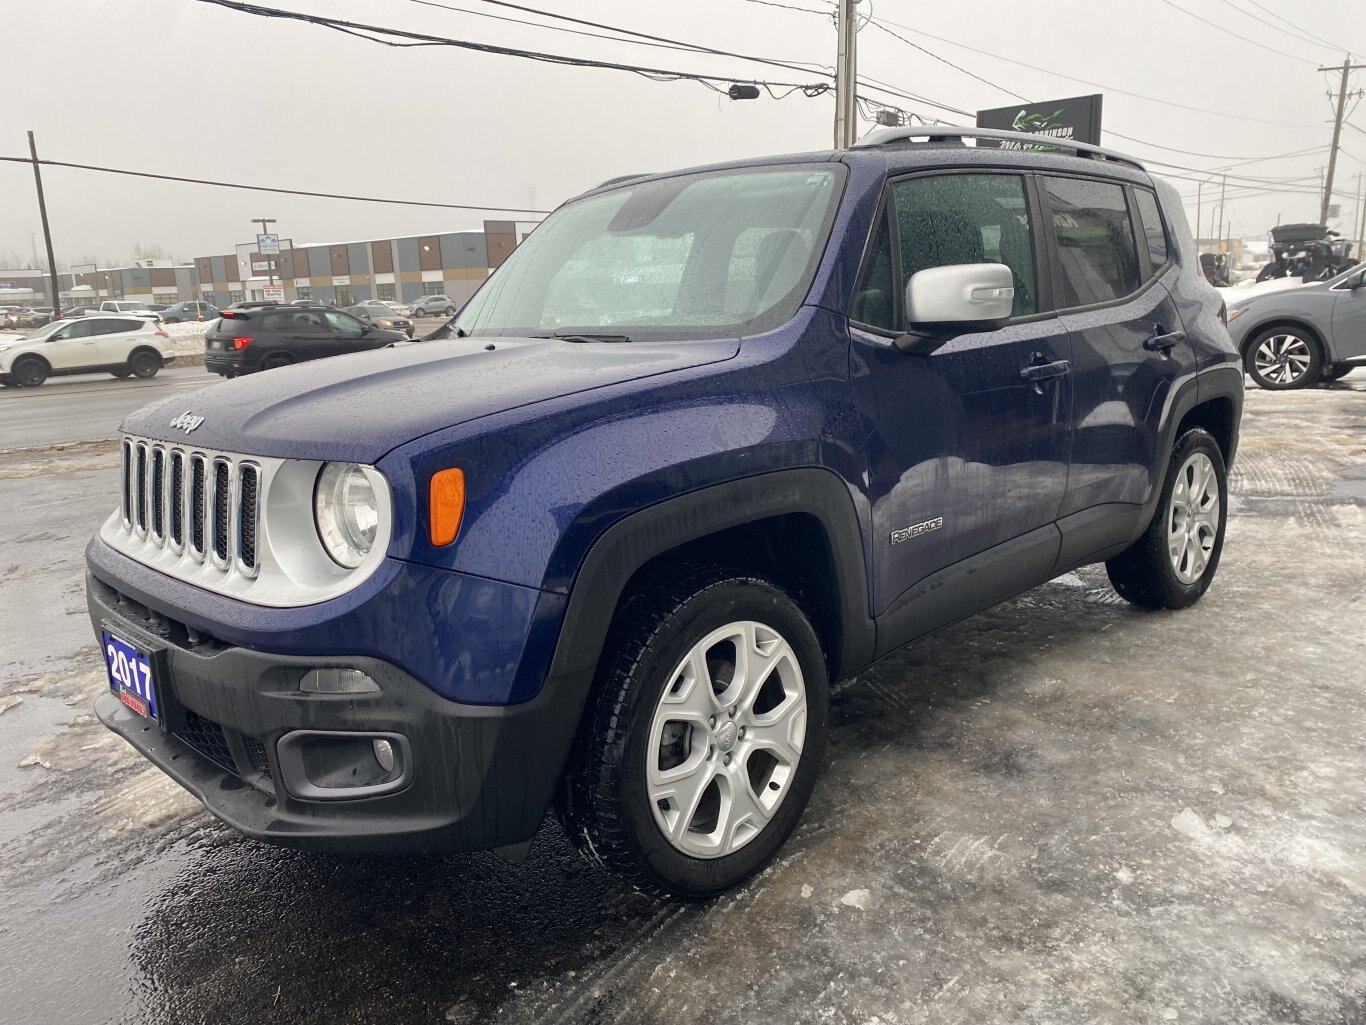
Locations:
(705, 443)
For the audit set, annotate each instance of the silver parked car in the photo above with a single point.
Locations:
(434, 306)
(1297, 336)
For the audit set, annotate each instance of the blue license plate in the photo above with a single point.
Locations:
(130, 676)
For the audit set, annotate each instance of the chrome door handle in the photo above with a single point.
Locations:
(1043, 371)
(1162, 342)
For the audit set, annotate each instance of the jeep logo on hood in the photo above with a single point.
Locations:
(186, 422)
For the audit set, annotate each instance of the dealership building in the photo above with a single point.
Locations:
(400, 269)
(344, 273)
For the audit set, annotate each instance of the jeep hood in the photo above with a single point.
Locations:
(359, 407)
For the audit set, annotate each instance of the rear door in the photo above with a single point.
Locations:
(115, 337)
(1129, 350)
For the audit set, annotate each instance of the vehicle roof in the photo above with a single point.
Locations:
(907, 156)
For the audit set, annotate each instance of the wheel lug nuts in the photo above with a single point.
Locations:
(727, 761)
(711, 721)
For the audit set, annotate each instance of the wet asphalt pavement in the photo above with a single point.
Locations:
(1060, 811)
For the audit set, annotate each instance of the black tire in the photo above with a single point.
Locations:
(276, 361)
(145, 364)
(170, 320)
(605, 805)
(30, 372)
(122, 373)
(1284, 357)
(449, 311)
(1144, 574)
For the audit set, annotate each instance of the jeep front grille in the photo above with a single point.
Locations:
(172, 495)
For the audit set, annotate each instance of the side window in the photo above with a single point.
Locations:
(967, 218)
(874, 297)
(276, 322)
(1095, 240)
(308, 323)
(113, 326)
(1156, 237)
(78, 329)
(347, 327)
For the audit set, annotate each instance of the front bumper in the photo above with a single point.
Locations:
(478, 776)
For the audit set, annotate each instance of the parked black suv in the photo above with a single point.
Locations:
(243, 341)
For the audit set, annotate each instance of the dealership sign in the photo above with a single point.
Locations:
(1077, 118)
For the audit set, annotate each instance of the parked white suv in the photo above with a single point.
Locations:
(121, 345)
(132, 306)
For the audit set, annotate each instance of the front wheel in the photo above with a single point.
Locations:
(30, 373)
(1172, 564)
(1282, 358)
(706, 737)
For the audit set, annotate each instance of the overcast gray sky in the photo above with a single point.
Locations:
(185, 88)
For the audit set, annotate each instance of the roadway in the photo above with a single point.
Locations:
(85, 407)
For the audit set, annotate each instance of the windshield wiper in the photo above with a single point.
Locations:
(580, 336)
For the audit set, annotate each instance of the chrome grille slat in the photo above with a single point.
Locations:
(126, 479)
(175, 502)
(221, 510)
(198, 502)
(140, 495)
(248, 516)
(157, 498)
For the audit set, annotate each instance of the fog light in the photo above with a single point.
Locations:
(337, 681)
(384, 754)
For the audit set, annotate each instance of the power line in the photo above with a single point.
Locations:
(1235, 35)
(1296, 34)
(1268, 10)
(944, 60)
(628, 32)
(1097, 85)
(372, 33)
(266, 188)
(790, 7)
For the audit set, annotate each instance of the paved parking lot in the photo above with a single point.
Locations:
(1061, 811)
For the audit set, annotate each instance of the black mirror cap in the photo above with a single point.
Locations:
(924, 339)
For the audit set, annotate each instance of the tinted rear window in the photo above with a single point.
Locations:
(1155, 237)
(1095, 240)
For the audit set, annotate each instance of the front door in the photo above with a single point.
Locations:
(1349, 318)
(72, 346)
(963, 453)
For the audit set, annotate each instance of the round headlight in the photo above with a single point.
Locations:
(346, 511)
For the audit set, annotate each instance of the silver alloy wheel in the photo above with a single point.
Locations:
(1193, 518)
(725, 739)
(1283, 359)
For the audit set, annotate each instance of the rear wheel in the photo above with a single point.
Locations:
(30, 372)
(274, 362)
(449, 311)
(1282, 358)
(1172, 564)
(706, 737)
(121, 373)
(144, 363)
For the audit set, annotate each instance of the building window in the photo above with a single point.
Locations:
(166, 298)
(433, 287)
(304, 293)
(343, 296)
(237, 297)
(385, 293)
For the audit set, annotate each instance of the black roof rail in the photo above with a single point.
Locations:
(944, 133)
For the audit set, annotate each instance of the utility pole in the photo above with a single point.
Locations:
(1347, 66)
(270, 263)
(846, 63)
(1361, 218)
(47, 234)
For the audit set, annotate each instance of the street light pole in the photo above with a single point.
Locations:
(846, 64)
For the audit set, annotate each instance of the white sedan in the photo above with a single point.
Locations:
(125, 346)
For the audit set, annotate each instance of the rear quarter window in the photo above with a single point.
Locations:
(1154, 235)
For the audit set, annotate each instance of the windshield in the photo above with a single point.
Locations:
(694, 256)
(44, 331)
(130, 306)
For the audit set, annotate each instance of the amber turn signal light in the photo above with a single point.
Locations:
(447, 505)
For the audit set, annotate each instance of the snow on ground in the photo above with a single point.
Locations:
(187, 339)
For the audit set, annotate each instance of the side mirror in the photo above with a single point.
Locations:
(962, 298)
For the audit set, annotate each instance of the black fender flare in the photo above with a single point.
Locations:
(631, 542)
